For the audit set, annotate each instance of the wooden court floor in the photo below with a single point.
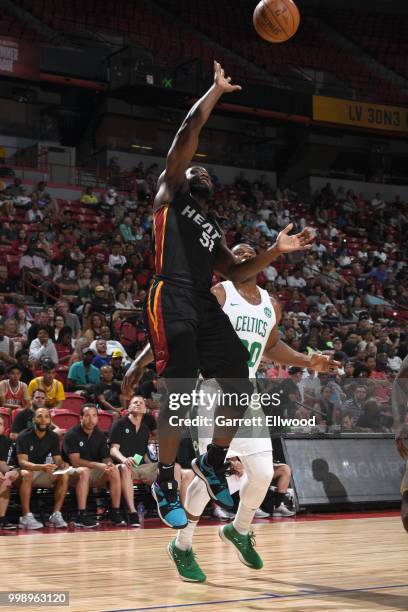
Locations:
(321, 565)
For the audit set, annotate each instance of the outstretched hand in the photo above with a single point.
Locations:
(323, 363)
(297, 242)
(222, 81)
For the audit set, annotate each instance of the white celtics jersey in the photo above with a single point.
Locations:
(253, 324)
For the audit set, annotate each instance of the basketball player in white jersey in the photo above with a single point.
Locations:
(254, 317)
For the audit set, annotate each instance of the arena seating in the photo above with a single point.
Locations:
(172, 44)
(309, 49)
(136, 20)
(382, 35)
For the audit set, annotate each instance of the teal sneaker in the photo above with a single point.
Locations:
(244, 545)
(185, 563)
(215, 481)
(169, 506)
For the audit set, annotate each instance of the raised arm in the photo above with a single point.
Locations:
(229, 268)
(185, 143)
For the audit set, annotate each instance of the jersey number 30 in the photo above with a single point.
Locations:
(254, 350)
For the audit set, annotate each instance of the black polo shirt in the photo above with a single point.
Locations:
(5, 446)
(149, 421)
(124, 433)
(38, 449)
(23, 420)
(92, 448)
(110, 391)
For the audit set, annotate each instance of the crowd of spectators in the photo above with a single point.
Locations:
(73, 277)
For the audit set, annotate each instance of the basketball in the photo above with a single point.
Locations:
(276, 20)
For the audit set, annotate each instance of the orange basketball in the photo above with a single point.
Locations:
(276, 20)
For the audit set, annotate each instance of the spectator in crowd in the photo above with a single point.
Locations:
(70, 318)
(24, 418)
(34, 214)
(85, 445)
(41, 320)
(108, 392)
(23, 324)
(326, 406)
(13, 392)
(394, 361)
(290, 392)
(93, 326)
(123, 302)
(23, 363)
(111, 345)
(370, 420)
(6, 347)
(126, 230)
(33, 448)
(58, 324)
(53, 388)
(354, 406)
(117, 366)
(66, 283)
(88, 198)
(129, 439)
(101, 357)
(295, 280)
(82, 375)
(42, 348)
(64, 348)
(117, 260)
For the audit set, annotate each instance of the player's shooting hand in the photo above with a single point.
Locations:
(222, 81)
(323, 363)
(400, 442)
(297, 242)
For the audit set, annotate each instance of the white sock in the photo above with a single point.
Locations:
(184, 539)
(243, 518)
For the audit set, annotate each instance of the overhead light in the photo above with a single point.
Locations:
(135, 146)
(147, 148)
(201, 155)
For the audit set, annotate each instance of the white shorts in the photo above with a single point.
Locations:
(241, 445)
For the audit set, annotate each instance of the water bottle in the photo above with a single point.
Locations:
(140, 509)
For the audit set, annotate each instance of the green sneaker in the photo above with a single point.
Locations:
(185, 562)
(244, 545)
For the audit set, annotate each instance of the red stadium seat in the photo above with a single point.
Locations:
(15, 413)
(5, 413)
(73, 403)
(105, 420)
(65, 419)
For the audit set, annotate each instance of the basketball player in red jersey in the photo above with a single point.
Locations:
(188, 331)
